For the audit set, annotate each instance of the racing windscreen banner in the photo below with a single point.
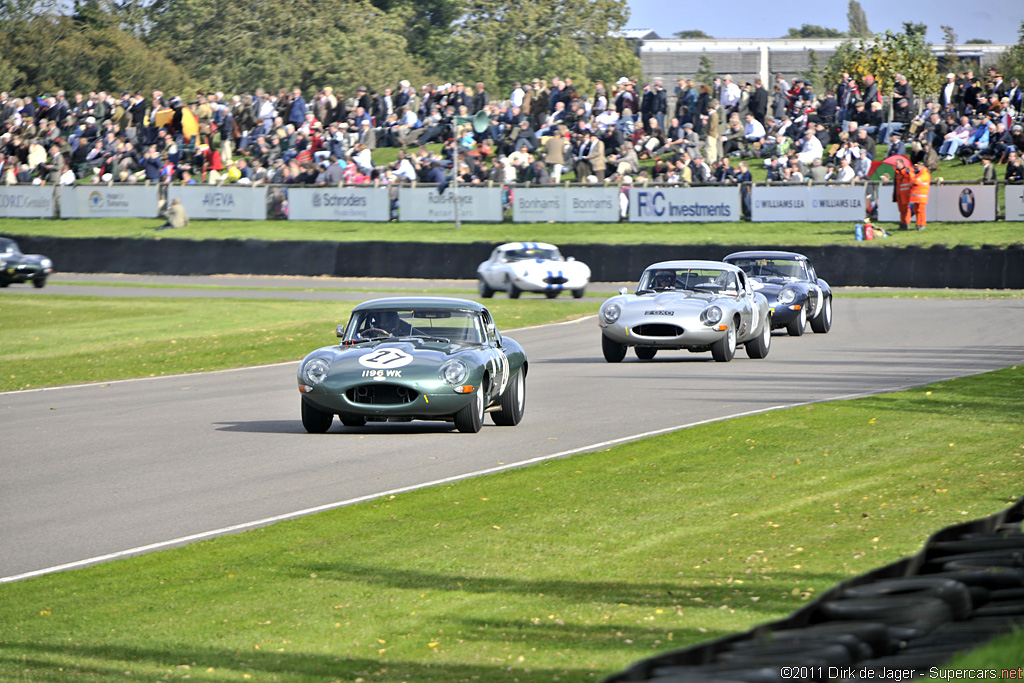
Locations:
(108, 201)
(476, 204)
(808, 203)
(237, 202)
(26, 201)
(948, 203)
(683, 204)
(370, 204)
(565, 204)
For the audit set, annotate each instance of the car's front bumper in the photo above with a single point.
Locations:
(417, 400)
(783, 314)
(659, 334)
(23, 273)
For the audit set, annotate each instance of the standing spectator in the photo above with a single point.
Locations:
(297, 109)
(988, 171)
(730, 97)
(660, 102)
(759, 101)
(949, 95)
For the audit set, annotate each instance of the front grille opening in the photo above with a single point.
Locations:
(555, 280)
(657, 330)
(381, 394)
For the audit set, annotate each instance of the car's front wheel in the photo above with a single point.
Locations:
(796, 328)
(645, 352)
(39, 283)
(551, 293)
(822, 322)
(758, 348)
(485, 290)
(578, 293)
(614, 352)
(513, 402)
(513, 291)
(471, 418)
(314, 420)
(725, 348)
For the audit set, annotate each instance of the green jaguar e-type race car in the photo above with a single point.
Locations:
(415, 358)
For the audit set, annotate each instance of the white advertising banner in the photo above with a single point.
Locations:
(108, 201)
(235, 202)
(808, 203)
(339, 204)
(684, 204)
(26, 201)
(948, 203)
(476, 204)
(1015, 202)
(565, 204)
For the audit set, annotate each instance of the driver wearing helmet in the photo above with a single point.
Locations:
(664, 279)
(383, 321)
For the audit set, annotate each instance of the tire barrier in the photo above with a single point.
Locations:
(844, 266)
(964, 588)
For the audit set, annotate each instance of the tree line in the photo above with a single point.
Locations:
(237, 45)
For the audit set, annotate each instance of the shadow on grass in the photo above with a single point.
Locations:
(48, 662)
(772, 597)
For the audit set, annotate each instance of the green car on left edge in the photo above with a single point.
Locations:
(415, 358)
(18, 267)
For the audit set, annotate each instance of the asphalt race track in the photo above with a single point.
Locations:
(99, 471)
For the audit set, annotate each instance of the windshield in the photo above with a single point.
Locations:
(434, 324)
(767, 268)
(528, 253)
(706, 280)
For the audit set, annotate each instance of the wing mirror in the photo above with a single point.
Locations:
(340, 331)
(622, 290)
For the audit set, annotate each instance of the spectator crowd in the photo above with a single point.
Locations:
(539, 132)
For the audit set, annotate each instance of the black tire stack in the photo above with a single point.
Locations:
(963, 589)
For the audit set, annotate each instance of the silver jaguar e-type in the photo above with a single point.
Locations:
(693, 305)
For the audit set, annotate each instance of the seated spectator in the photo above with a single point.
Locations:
(845, 172)
(955, 139)
(866, 143)
(1014, 169)
(810, 149)
(901, 117)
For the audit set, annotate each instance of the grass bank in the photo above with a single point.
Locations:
(568, 570)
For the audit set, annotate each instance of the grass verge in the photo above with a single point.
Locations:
(752, 235)
(52, 340)
(567, 570)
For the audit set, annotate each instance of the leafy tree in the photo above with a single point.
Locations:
(706, 73)
(426, 22)
(857, 20)
(49, 53)
(977, 41)
(813, 31)
(813, 73)
(1011, 62)
(238, 45)
(886, 55)
(502, 41)
(951, 59)
(692, 33)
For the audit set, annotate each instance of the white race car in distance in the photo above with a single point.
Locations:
(519, 267)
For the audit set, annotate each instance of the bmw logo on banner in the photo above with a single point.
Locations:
(966, 202)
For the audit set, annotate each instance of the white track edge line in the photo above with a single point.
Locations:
(406, 489)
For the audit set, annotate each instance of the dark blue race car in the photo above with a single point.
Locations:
(794, 291)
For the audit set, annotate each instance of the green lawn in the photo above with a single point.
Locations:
(567, 570)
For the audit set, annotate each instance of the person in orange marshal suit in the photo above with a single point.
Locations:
(904, 181)
(919, 193)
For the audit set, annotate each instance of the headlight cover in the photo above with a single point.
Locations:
(46, 263)
(712, 315)
(611, 313)
(787, 296)
(454, 372)
(316, 371)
